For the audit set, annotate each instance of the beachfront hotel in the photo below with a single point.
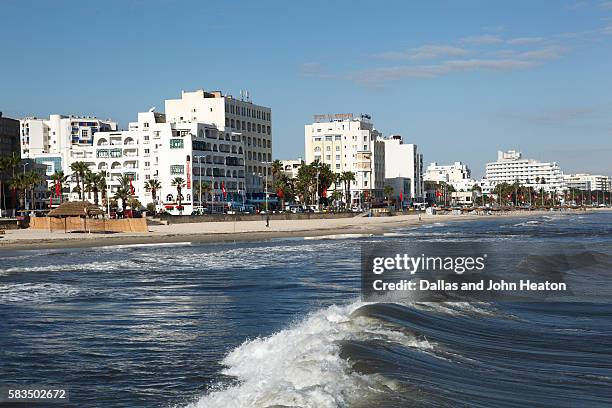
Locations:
(511, 167)
(153, 148)
(403, 163)
(228, 114)
(587, 182)
(49, 141)
(348, 142)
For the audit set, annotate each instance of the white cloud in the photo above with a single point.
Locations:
(482, 40)
(544, 53)
(428, 51)
(525, 40)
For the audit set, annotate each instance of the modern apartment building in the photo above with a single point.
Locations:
(49, 141)
(403, 160)
(153, 148)
(449, 173)
(9, 136)
(291, 167)
(228, 114)
(587, 182)
(348, 142)
(511, 167)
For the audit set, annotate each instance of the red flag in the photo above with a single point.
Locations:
(509, 196)
(58, 188)
(593, 197)
(438, 194)
(131, 188)
(223, 189)
(521, 197)
(280, 193)
(401, 196)
(50, 200)
(324, 193)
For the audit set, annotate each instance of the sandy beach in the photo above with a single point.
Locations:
(211, 232)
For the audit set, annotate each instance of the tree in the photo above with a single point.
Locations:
(153, 186)
(347, 178)
(18, 184)
(11, 162)
(388, 192)
(277, 168)
(3, 168)
(124, 191)
(58, 178)
(33, 179)
(179, 183)
(95, 182)
(284, 188)
(80, 169)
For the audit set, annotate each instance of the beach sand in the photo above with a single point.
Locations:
(212, 232)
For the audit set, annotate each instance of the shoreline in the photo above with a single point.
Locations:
(241, 231)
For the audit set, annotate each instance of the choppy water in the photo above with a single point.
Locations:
(280, 324)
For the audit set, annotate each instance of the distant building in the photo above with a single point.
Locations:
(9, 136)
(348, 142)
(291, 167)
(451, 173)
(403, 160)
(154, 149)
(510, 167)
(49, 141)
(585, 181)
(227, 114)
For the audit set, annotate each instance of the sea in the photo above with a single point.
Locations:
(282, 323)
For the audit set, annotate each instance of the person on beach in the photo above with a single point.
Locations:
(267, 220)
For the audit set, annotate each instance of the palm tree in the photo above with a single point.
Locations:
(59, 178)
(388, 192)
(277, 168)
(103, 185)
(18, 184)
(284, 188)
(80, 169)
(124, 191)
(348, 177)
(11, 162)
(33, 179)
(179, 183)
(203, 187)
(153, 186)
(95, 182)
(3, 168)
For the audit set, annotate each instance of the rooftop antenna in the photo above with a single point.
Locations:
(152, 109)
(241, 95)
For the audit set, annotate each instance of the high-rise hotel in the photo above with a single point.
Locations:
(348, 142)
(228, 114)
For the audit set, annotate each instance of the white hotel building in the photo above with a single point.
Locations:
(229, 115)
(588, 182)
(402, 160)
(49, 141)
(510, 167)
(347, 142)
(154, 149)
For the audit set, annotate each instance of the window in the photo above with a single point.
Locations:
(177, 143)
(146, 125)
(328, 138)
(337, 157)
(317, 139)
(337, 165)
(337, 137)
(146, 137)
(365, 147)
(146, 151)
(337, 148)
(328, 149)
(177, 169)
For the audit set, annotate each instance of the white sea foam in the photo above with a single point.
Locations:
(301, 366)
(29, 293)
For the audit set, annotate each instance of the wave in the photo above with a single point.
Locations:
(302, 366)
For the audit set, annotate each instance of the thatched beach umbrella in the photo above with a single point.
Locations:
(76, 209)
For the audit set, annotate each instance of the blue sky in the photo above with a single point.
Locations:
(460, 79)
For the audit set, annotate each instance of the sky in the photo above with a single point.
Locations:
(460, 79)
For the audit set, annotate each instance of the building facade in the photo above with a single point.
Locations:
(292, 167)
(403, 160)
(59, 133)
(451, 173)
(511, 167)
(253, 122)
(153, 149)
(348, 142)
(587, 182)
(9, 136)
